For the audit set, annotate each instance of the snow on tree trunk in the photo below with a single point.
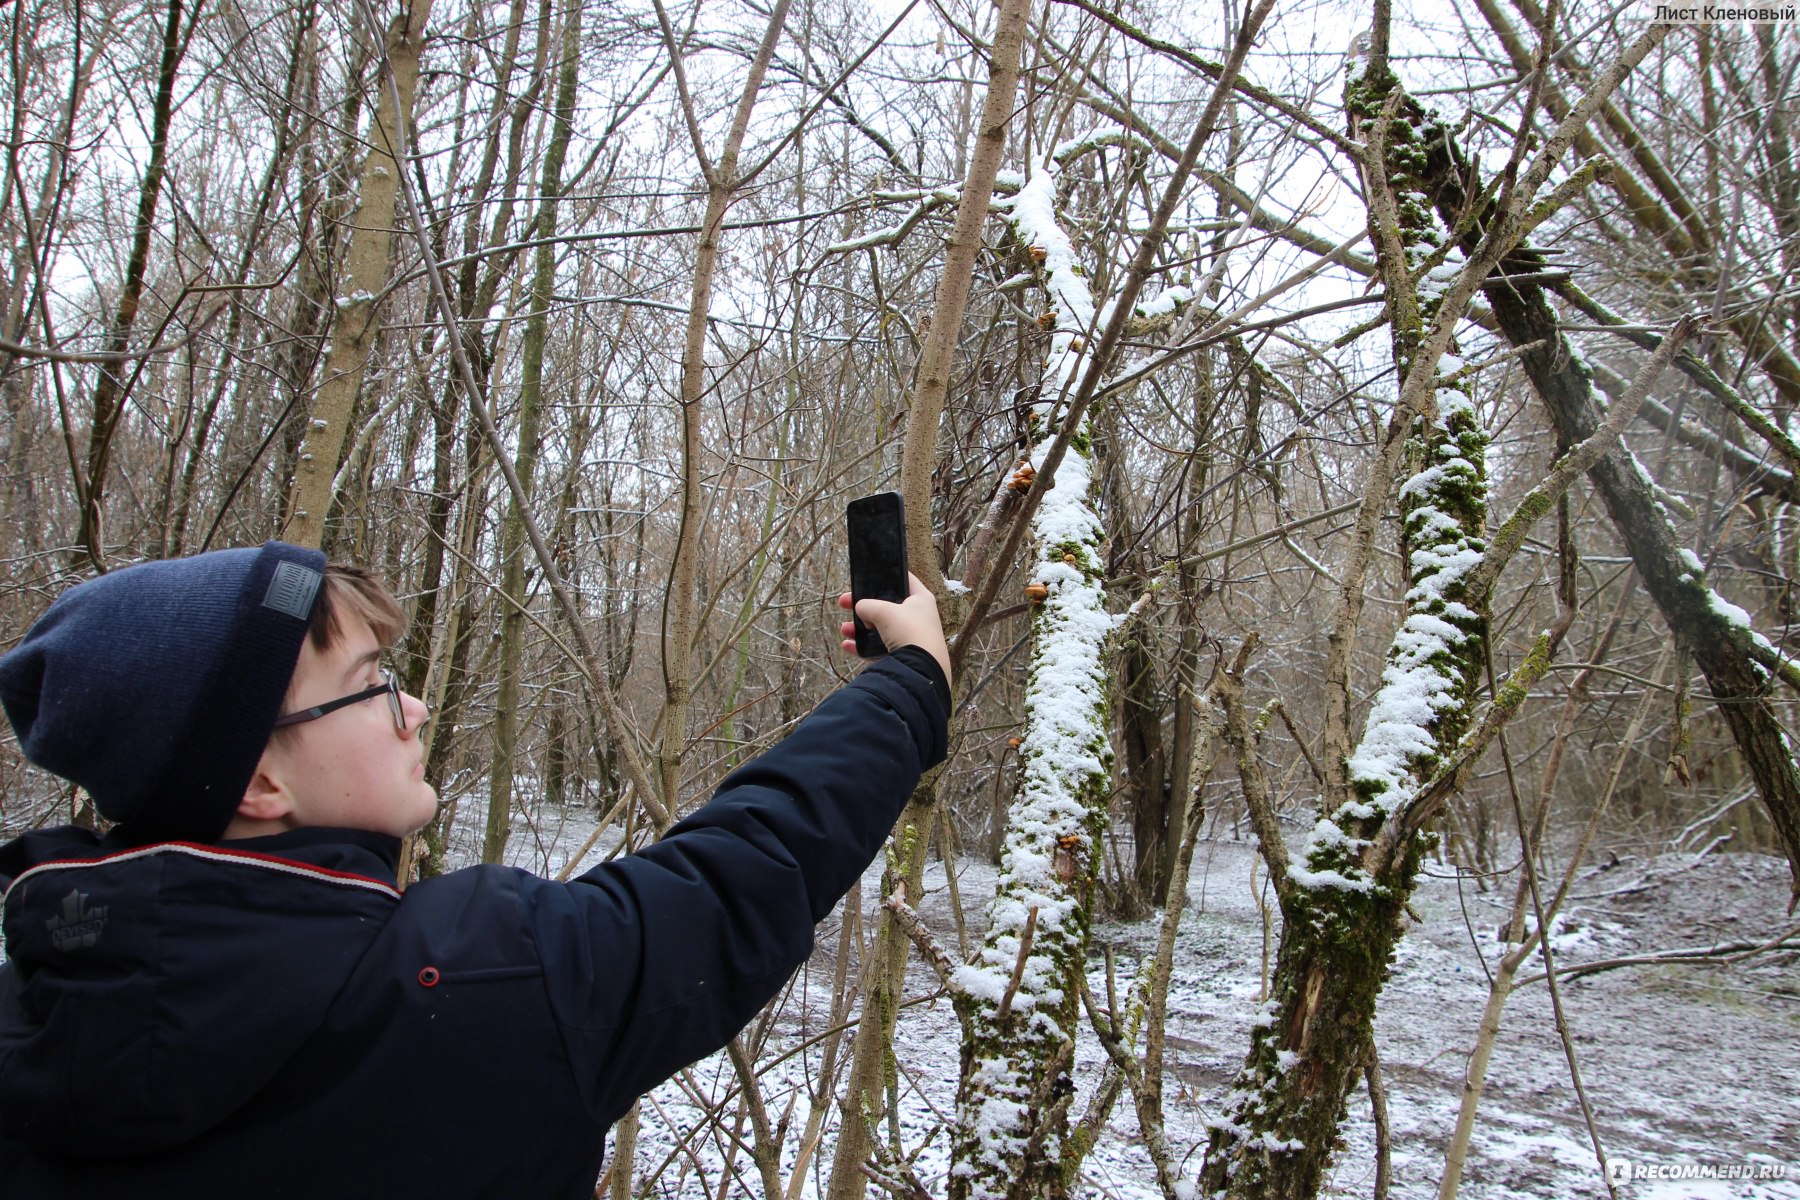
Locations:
(1736, 660)
(1343, 901)
(1019, 995)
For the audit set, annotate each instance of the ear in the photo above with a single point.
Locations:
(267, 798)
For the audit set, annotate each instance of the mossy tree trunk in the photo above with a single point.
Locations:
(1343, 894)
(1740, 666)
(1018, 997)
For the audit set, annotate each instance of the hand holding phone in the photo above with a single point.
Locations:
(914, 623)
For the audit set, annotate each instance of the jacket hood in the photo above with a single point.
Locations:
(144, 1000)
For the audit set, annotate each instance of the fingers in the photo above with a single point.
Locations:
(912, 622)
(913, 588)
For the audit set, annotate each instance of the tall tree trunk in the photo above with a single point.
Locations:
(31, 253)
(327, 194)
(1146, 783)
(531, 392)
(722, 183)
(294, 124)
(354, 327)
(450, 647)
(109, 389)
(865, 1096)
(474, 293)
(1342, 912)
(1186, 682)
(1019, 997)
(1342, 895)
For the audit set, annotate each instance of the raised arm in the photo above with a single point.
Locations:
(658, 959)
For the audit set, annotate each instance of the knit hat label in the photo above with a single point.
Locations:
(291, 590)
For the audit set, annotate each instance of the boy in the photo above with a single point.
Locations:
(226, 995)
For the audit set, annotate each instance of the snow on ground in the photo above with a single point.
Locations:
(1683, 1063)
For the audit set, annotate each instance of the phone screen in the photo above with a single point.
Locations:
(877, 558)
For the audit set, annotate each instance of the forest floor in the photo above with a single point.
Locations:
(1683, 1064)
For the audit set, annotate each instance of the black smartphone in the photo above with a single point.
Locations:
(877, 559)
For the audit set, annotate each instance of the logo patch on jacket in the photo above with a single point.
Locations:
(79, 926)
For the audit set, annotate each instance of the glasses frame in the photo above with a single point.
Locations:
(390, 685)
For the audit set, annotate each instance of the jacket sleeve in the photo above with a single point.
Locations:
(658, 959)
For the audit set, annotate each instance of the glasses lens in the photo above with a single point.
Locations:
(393, 699)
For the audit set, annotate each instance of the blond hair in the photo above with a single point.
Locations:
(360, 593)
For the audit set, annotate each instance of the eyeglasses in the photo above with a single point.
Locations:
(390, 685)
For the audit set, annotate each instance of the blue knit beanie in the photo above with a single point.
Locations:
(156, 687)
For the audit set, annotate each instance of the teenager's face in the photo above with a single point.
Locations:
(350, 768)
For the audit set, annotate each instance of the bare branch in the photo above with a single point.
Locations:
(1572, 465)
(1257, 796)
(923, 938)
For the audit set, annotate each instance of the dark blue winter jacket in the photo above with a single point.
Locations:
(270, 1017)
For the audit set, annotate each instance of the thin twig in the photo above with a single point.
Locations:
(1556, 1004)
(1378, 1109)
(1257, 798)
(1018, 973)
(1728, 953)
(1299, 741)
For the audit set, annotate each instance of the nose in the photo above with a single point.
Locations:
(416, 712)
